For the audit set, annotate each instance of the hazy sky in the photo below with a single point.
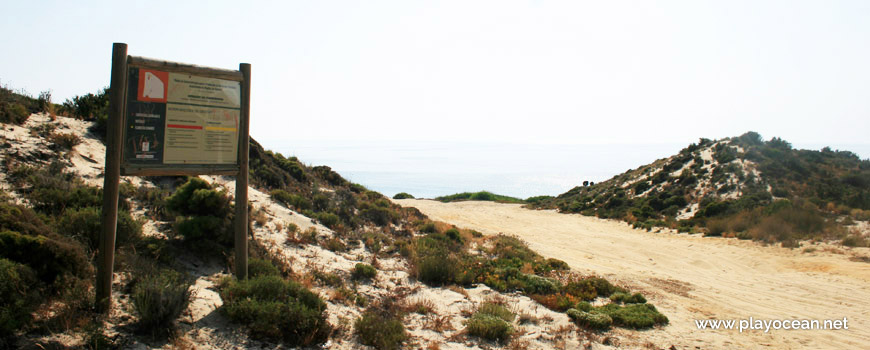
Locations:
(519, 71)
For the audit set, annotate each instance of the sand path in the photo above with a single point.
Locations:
(689, 277)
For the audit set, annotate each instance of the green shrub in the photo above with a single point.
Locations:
(65, 141)
(453, 234)
(197, 198)
(436, 271)
(206, 227)
(435, 263)
(54, 198)
(590, 288)
(363, 271)
(557, 265)
(403, 195)
(509, 247)
(591, 320)
(260, 267)
(13, 113)
(159, 299)
(92, 107)
(49, 258)
(491, 321)
(479, 196)
(19, 296)
(328, 219)
(428, 227)
(381, 330)
(297, 202)
(86, 223)
(533, 284)
(378, 215)
(328, 278)
(855, 241)
(334, 244)
(22, 219)
(583, 306)
(621, 297)
(635, 298)
(488, 327)
(275, 309)
(637, 316)
(497, 310)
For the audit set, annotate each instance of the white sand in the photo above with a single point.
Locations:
(692, 277)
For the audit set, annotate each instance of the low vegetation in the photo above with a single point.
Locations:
(159, 299)
(363, 271)
(479, 196)
(403, 195)
(273, 308)
(321, 193)
(491, 321)
(508, 266)
(738, 187)
(381, 327)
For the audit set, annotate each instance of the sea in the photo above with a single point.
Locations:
(428, 169)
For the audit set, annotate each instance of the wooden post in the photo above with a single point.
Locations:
(241, 224)
(112, 177)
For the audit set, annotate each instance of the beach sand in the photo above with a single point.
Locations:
(689, 277)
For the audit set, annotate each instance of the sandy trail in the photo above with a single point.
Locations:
(691, 277)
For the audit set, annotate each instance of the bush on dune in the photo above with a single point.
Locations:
(159, 299)
(275, 309)
(49, 258)
(85, 224)
(403, 195)
(491, 321)
(381, 329)
(18, 298)
(204, 213)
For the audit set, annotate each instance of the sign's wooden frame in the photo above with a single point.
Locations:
(115, 168)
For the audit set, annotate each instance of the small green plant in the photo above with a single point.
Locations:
(428, 227)
(637, 316)
(49, 258)
(479, 196)
(328, 219)
(492, 322)
(380, 329)
(18, 297)
(260, 267)
(328, 278)
(590, 320)
(453, 234)
(159, 299)
(621, 297)
(65, 142)
(297, 202)
(497, 310)
(275, 309)
(334, 244)
(403, 195)
(855, 241)
(363, 271)
(197, 198)
(86, 223)
(583, 306)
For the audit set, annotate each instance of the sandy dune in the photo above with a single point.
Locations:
(691, 277)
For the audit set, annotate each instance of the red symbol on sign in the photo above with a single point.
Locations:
(152, 85)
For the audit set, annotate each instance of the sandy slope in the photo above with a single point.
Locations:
(691, 277)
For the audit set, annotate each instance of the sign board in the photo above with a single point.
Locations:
(180, 120)
(168, 118)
